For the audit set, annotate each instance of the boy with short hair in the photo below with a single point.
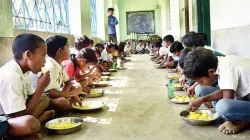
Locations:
(107, 53)
(18, 98)
(173, 55)
(233, 96)
(58, 51)
(164, 50)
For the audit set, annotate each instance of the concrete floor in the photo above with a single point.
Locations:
(140, 110)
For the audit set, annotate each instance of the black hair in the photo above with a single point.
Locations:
(198, 61)
(203, 36)
(111, 9)
(110, 45)
(140, 41)
(91, 41)
(24, 42)
(87, 53)
(183, 55)
(176, 46)
(148, 42)
(97, 51)
(54, 43)
(168, 38)
(82, 42)
(156, 45)
(121, 47)
(159, 40)
(193, 39)
(99, 45)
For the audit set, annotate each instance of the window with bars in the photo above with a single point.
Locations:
(41, 15)
(93, 19)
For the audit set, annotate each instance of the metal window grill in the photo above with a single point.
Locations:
(93, 20)
(41, 15)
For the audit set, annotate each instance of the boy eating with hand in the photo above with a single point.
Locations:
(233, 97)
(18, 98)
(60, 89)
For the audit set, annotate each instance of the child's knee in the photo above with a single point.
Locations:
(63, 103)
(223, 107)
(32, 124)
(198, 91)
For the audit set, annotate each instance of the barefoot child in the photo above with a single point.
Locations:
(80, 62)
(18, 98)
(233, 96)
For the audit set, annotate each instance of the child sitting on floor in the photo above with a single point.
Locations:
(60, 90)
(18, 97)
(78, 63)
(139, 48)
(107, 55)
(164, 50)
(173, 55)
(233, 96)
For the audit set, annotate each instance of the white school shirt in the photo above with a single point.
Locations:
(176, 58)
(127, 48)
(234, 74)
(163, 51)
(57, 75)
(105, 56)
(15, 87)
(138, 48)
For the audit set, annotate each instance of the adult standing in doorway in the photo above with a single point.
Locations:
(112, 22)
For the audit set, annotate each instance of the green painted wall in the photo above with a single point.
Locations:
(6, 24)
(85, 17)
(138, 5)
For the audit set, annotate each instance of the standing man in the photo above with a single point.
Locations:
(112, 21)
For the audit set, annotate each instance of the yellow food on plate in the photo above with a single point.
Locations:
(173, 76)
(183, 99)
(177, 85)
(199, 116)
(63, 125)
(94, 92)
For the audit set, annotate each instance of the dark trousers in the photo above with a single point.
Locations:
(113, 38)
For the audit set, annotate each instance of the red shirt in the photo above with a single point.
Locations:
(69, 68)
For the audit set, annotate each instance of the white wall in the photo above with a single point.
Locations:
(230, 26)
(175, 19)
(229, 13)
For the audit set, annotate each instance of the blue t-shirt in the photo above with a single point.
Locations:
(215, 53)
(112, 21)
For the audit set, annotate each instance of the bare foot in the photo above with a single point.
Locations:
(46, 115)
(232, 128)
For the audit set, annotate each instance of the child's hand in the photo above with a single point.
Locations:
(76, 90)
(75, 100)
(182, 80)
(190, 91)
(43, 80)
(192, 106)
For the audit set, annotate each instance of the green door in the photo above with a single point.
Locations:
(203, 10)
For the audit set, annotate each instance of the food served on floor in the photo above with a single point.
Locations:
(200, 116)
(63, 125)
(182, 99)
